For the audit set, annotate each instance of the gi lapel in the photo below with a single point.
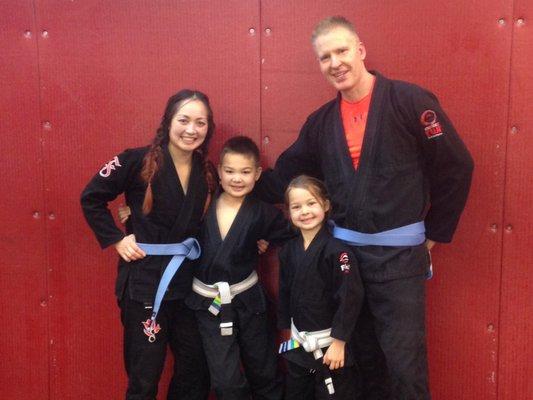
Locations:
(239, 224)
(213, 234)
(307, 260)
(174, 186)
(368, 151)
(345, 165)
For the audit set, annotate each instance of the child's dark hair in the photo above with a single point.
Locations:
(314, 186)
(242, 145)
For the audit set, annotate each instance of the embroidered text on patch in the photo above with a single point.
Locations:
(345, 262)
(110, 166)
(432, 127)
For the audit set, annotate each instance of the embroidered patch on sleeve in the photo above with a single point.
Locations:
(110, 166)
(344, 263)
(432, 127)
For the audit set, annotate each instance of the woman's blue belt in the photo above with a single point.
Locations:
(189, 248)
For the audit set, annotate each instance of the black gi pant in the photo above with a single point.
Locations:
(252, 343)
(144, 361)
(306, 384)
(391, 336)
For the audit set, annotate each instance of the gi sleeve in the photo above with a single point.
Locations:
(300, 158)
(104, 187)
(448, 165)
(277, 228)
(284, 317)
(348, 292)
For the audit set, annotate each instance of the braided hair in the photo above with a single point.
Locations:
(153, 160)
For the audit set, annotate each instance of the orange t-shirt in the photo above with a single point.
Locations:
(354, 121)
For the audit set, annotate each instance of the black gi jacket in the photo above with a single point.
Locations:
(320, 287)
(405, 174)
(233, 259)
(174, 217)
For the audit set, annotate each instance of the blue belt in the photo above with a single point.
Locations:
(408, 235)
(189, 248)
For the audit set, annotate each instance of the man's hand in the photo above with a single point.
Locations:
(430, 244)
(124, 213)
(262, 246)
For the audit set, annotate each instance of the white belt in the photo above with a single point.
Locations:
(220, 288)
(226, 293)
(314, 342)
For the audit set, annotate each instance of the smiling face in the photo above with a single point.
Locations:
(341, 58)
(188, 127)
(238, 174)
(306, 211)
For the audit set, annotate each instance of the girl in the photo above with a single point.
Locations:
(320, 298)
(167, 186)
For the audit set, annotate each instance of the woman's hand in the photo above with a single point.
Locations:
(334, 357)
(127, 249)
(124, 213)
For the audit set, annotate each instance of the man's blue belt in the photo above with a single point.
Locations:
(189, 248)
(408, 235)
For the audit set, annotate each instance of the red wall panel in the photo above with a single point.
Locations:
(461, 52)
(23, 285)
(516, 340)
(107, 69)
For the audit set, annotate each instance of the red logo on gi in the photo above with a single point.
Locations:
(432, 127)
(150, 328)
(110, 166)
(345, 262)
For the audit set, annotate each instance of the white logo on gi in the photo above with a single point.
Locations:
(110, 166)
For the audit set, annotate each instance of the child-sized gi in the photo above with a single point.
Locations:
(320, 288)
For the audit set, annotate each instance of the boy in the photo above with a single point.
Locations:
(229, 302)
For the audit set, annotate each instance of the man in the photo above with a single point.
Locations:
(391, 159)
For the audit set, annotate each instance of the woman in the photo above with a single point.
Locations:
(167, 187)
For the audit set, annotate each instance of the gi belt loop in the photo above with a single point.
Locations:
(407, 235)
(189, 248)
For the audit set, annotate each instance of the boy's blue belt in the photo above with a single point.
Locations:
(189, 248)
(408, 235)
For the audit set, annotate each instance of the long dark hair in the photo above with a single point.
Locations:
(153, 160)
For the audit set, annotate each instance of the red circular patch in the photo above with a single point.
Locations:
(428, 117)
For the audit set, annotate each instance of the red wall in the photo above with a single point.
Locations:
(82, 80)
